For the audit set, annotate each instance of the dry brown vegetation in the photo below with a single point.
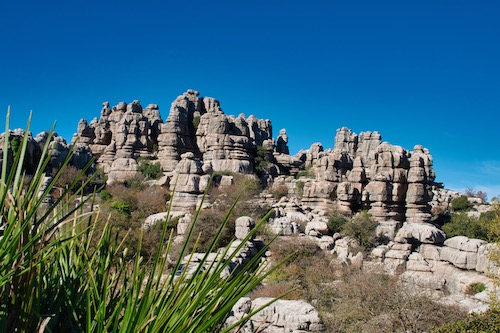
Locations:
(349, 299)
(126, 208)
(242, 194)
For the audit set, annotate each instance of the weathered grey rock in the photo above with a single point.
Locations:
(463, 243)
(484, 263)
(430, 252)
(346, 140)
(122, 169)
(326, 243)
(345, 248)
(367, 143)
(420, 179)
(420, 233)
(318, 227)
(378, 253)
(151, 220)
(225, 142)
(457, 280)
(283, 316)
(177, 135)
(243, 226)
(81, 155)
(416, 262)
(281, 143)
(184, 223)
(461, 259)
(123, 132)
(396, 258)
(188, 183)
(424, 279)
(33, 150)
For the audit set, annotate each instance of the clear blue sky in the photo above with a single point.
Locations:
(419, 72)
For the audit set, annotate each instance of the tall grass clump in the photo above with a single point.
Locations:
(59, 273)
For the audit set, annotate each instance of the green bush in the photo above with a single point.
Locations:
(136, 182)
(462, 225)
(307, 173)
(300, 188)
(149, 170)
(121, 206)
(460, 203)
(362, 228)
(261, 160)
(485, 322)
(104, 195)
(336, 222)
(474, 288)
(196, 122)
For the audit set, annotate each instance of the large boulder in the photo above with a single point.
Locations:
(282, 316)
(420, 233)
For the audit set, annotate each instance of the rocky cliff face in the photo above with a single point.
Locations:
(195, 125)
(362, 172)
(359, 172)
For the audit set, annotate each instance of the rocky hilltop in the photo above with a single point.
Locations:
(198, 138)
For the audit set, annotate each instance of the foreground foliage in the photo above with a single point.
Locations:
(58, 273)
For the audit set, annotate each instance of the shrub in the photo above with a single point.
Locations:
(196, 122)
(279, 191)
(362, 228)
(307, 269)
(152, 200)
(307, 173)
(488, 321)
(104, 195)
(68, 174)
(376, 302)
(261, 160)
(463, 225)
(336, 223)
(136, 182)
(349, 299)
(149, 170)
(460, 203)
(470, 192)
(209, 224)
(300, 187)
(97, 180)
(474, 288)
(121, 207)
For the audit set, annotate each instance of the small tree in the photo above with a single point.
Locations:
(363, 229)
(463, 225)
(336, 222)
(461, 203)
(149, 170)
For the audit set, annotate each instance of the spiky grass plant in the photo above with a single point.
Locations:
(58, 274)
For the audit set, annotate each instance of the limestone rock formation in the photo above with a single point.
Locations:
(283, 316)
(188, 183)
(362, 172)
(359, 172)
(121, 135)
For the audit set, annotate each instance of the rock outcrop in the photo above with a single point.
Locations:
(282, 316)
(359, 172)
(362, 172)
(195, 125)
